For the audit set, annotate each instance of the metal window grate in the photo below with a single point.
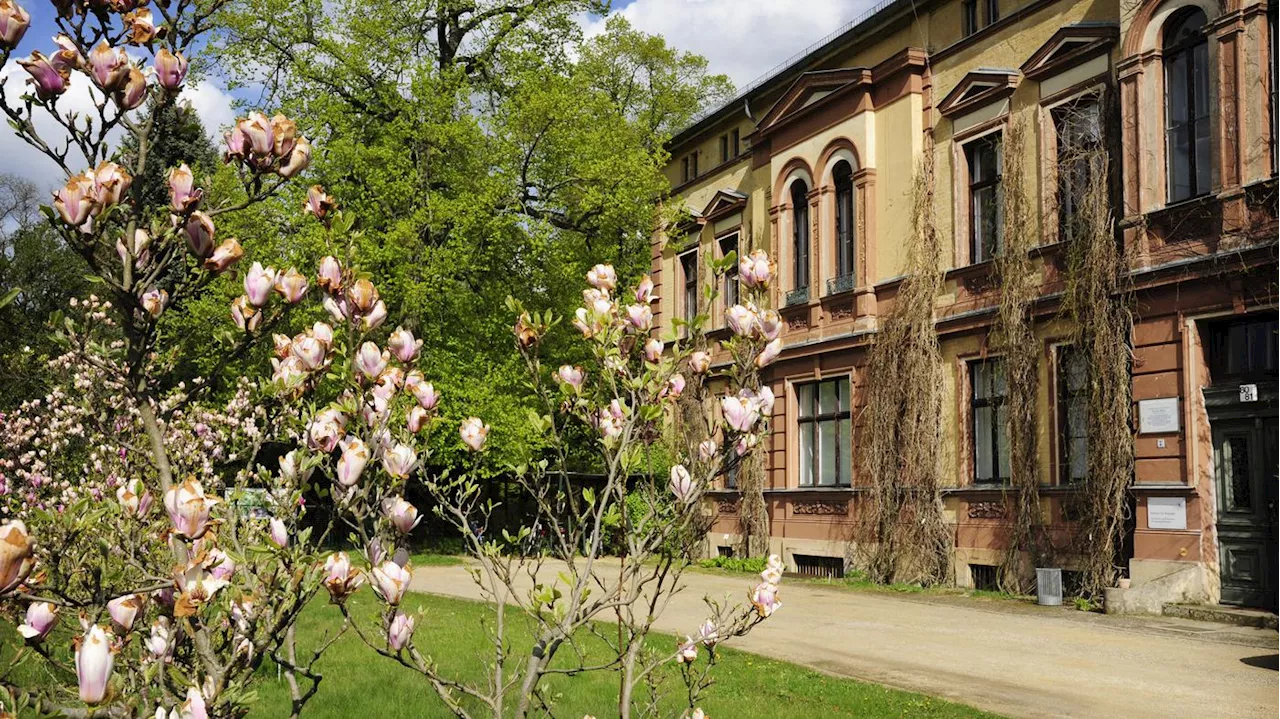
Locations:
(798, 296)
(808, 565)
(986, 577)
(725, 551)
(843, 283)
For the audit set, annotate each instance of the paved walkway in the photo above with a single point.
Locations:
(1012, 659)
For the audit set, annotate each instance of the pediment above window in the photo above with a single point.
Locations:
(685, 231)
(1069, 47)
(724, 202)
(978, 89)
(811, 90)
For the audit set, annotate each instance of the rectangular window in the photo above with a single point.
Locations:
(844, 223)
(826, 433)
(1073, 413)
(729, 244)
(986, 214)
(1243, 350)
(989, 421)
(693, 165)
(1078, 125)
(684, 169)
(689, 269)
(993, 12)
(969, 16)
(736, 141)
(724, 148)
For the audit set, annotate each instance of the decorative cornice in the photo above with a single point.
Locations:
(1089, 40)
(995, 83)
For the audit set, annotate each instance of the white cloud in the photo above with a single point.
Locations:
(210, 102)
(740, 38)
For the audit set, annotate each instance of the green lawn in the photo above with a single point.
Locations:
(359, 683)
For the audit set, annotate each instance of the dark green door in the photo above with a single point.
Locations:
(1244, 455)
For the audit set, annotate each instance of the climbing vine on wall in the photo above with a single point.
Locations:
(904, 535)
(1097, 301)
(1014, 338)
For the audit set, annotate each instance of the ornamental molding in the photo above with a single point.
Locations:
(832, 507)
(988, 510)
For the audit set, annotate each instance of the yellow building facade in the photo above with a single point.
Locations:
(818, 163)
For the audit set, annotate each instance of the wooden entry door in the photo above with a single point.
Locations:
(1244, 455)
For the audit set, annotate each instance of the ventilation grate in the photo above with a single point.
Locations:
(725, 551)
(808, 565)
(986, 577)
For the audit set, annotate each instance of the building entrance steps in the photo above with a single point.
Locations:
(1223, 615)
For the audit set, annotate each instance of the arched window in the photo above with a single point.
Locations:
(1186, 87)
(842, 178)
(800, 232)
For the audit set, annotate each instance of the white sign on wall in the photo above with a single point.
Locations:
(1158, 416)
(1248, 393)
(1166, 512)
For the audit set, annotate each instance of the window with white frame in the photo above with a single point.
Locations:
(729, 244)
(1078, 126)
(1073, 413)
(986, 216)
(825, 432)
(689, 274)
(1186, 89)
(988, 393)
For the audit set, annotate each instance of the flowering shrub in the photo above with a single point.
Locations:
(153, 556)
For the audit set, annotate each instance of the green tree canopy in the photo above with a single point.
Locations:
(487, 149)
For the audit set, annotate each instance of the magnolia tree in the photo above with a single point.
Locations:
(153, 557)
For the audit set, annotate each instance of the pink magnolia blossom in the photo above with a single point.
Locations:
(681, 483)
(258, 283)
(130, 95)
(183, 195)
(341, 579)
(707, 449)
(675, 385)
(94, 660)
(337, 309)
(189, 508)
(362, 295)
(297, 160)
(258, 133)
(416, 418)
(14, 22)
(142, 27)
(644, 291)
(687, 651)
(325, 430)
(108, 67)
(16, 558)
(193, 708)
(139, 248)
(322, 332)
(572, 376)
(742, 320)
(329, 273)
(403, 345)
(708, 633)
(319, 205)
(741, 415)
(402, 515)
(424, 392)
(474, 433)
(227, 254)
(699, 362)
(41, 618)
(755, 270)
(123, 611)
(75, 200)
(399, 460)
(245, 315)
(371, 361)
(49, 81)
(602, 277)
(160, 644)
(154, 301)
(769, 353)
(110, 183)
(278, 533)
(399, 631)
(640, 317)
(765, 599)
(653, 349)
(770, 324)
(134, 498)
(292, 285)
(375, 316)
(355, 456)
(309, 350)
(390, 580)
(171, 69)
(199, 231)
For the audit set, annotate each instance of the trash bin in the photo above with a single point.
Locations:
(1049, 587)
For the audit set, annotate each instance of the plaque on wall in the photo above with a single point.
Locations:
(1158, 416)
(1166, 512)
